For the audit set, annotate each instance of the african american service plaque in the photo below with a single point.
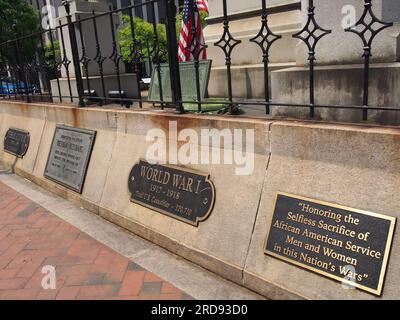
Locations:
(16, 142)
(345, 244)
(183, 194)
(69, 156)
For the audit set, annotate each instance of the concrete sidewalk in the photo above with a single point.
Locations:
(32, 237)
(93, 259)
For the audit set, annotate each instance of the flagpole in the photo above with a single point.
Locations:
(173, 57)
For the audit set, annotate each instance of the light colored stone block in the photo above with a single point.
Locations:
(104, 123)
(248, 81)
(356, 166)
(128, 85)
(26, 117)
(247, 57)
(83, 10)
(214, 243)
(341, 47)
(237, 6)
(338, 85)
(283, 50)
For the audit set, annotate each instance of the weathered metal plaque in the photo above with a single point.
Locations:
(180, 193)
(188, 82)
(345, 244)
(69, 156)
(16, 142)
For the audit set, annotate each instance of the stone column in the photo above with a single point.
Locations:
(80, 10)
(83, 9)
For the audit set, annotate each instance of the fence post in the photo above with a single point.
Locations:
(20, 67)
(21, 74)
(74, 52)
(173, 57)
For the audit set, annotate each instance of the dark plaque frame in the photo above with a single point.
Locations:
(154, 93)
(79, 188)
(23, 149)
(206, 180)
(387, 250)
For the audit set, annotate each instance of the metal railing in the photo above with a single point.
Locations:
(28, 74)
(29, 64)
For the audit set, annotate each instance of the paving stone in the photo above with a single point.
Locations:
(33, 240)
(151, 287)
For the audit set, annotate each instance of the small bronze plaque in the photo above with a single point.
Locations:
(69, 156)
(180, 193)
(345, 244)
(188, 74)
(16, 142)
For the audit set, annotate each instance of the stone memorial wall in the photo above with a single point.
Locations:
(337, 182)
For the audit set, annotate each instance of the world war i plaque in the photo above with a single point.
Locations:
(183, 194)
(345, 244)
(69, 156)
(16, 142)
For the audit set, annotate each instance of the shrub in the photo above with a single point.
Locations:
(144, 35)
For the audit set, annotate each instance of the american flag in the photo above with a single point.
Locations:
(188, 42)
(202, 5)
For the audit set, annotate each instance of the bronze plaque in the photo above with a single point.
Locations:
(183, 194)
(342, 243)
(188, 76)
(16, 142)
(69, 156)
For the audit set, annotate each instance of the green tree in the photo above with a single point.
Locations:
(52, 56)
(17, 19)
(144, 35)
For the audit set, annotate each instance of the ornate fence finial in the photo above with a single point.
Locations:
(310, 35)
(312, 32)
(264, 39)
(227, 43)
(367, 28)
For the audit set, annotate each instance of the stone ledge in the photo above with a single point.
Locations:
(319, 160)
(338, 85)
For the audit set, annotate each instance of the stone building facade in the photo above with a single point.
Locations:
(339, 61)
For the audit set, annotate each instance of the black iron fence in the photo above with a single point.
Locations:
(60, 63)
(67, 63)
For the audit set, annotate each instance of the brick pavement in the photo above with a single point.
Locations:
(32, 237)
